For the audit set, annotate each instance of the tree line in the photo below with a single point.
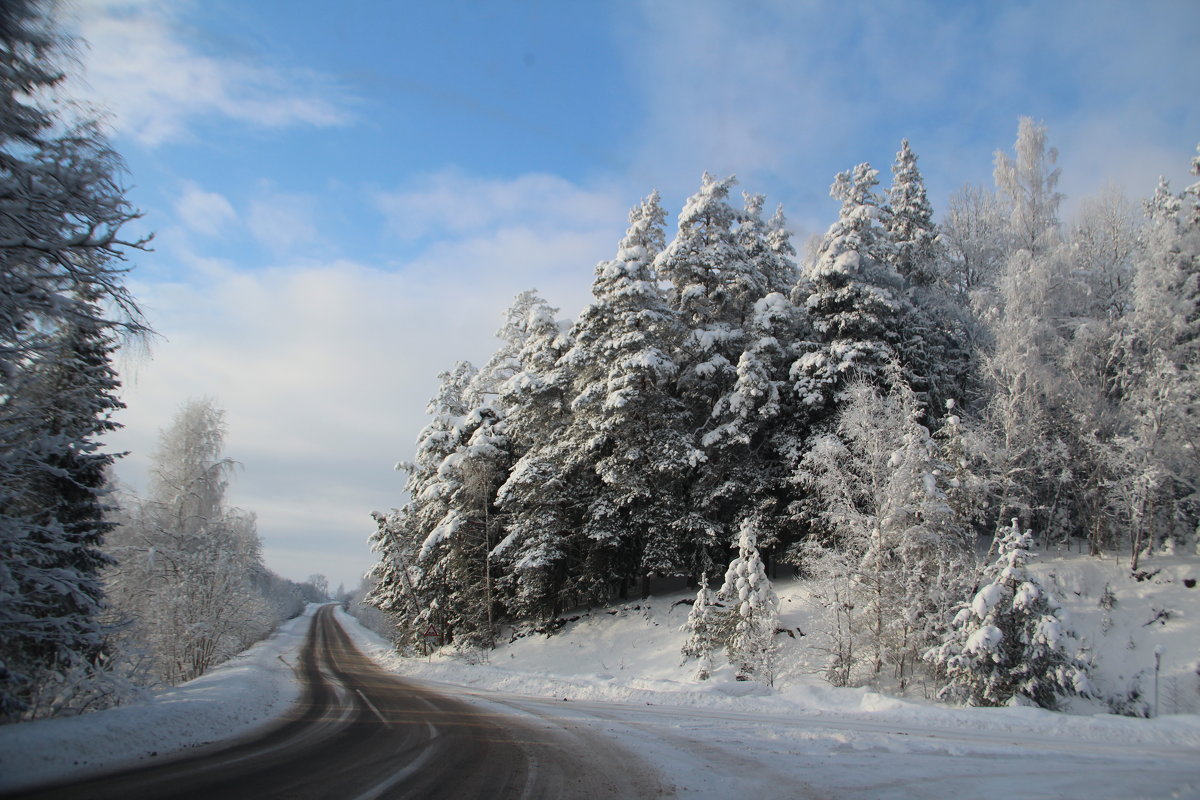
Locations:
(868, 412)
(97, 601)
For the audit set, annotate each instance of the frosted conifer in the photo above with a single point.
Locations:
(703, 627)
(1011, 642)
(754, 615)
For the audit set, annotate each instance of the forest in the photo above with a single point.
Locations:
(906, 409)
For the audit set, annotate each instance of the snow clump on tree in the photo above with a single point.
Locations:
(1011, 643)
(755, 612)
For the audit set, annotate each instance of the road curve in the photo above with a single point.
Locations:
(359, 732)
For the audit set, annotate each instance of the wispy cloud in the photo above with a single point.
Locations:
(786, 94)
(283, 221)
(451, 203)
(140, 65)
(202, 211)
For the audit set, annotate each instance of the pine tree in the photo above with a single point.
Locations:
(1011, 642)
(855, 300)
(754, 613)
(910, 222)
(52, 622)
(540, 496)
(713, 286)
(626, 422)
(401, 533)
(63, 306)
(704, 627)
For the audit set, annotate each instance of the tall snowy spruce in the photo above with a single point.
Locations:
(715, 282)
(541, 496)
(63, 308)
(626, 422)
(754, 614)
(1011, 643)
(855, 302)
(910, 221)
(936, 331)
(398, 537)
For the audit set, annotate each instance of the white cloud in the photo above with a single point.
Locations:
(452, 203)
(325, 368)
(202, 211)
(139, 65)
(787, 94)
(283, 221)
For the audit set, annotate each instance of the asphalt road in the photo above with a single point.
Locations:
(360, 732)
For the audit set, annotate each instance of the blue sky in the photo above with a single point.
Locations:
(346, 196)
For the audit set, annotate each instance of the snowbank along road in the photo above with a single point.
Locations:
(360, 732)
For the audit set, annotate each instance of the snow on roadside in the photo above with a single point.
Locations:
(630, 655)
(246, 692)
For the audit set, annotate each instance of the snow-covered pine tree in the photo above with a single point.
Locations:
(713, 286)
(61, 500)
(855, 302)
(455, 557)
(705, 628)
(936, 331)
(543, 495)
(754, 612)
(1011, 643)
(747, 422)
(910, 222)
(626, 422)
(400, 533)
(61, 212)
(768, 246)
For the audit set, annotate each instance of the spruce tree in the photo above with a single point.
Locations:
(856, 301)
(910, 222)
(63, 307)
(754, 612)
(1011, 643)
(626, 421)
(705, 629)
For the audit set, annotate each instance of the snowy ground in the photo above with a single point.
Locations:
(618, 671)
(232, 700)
